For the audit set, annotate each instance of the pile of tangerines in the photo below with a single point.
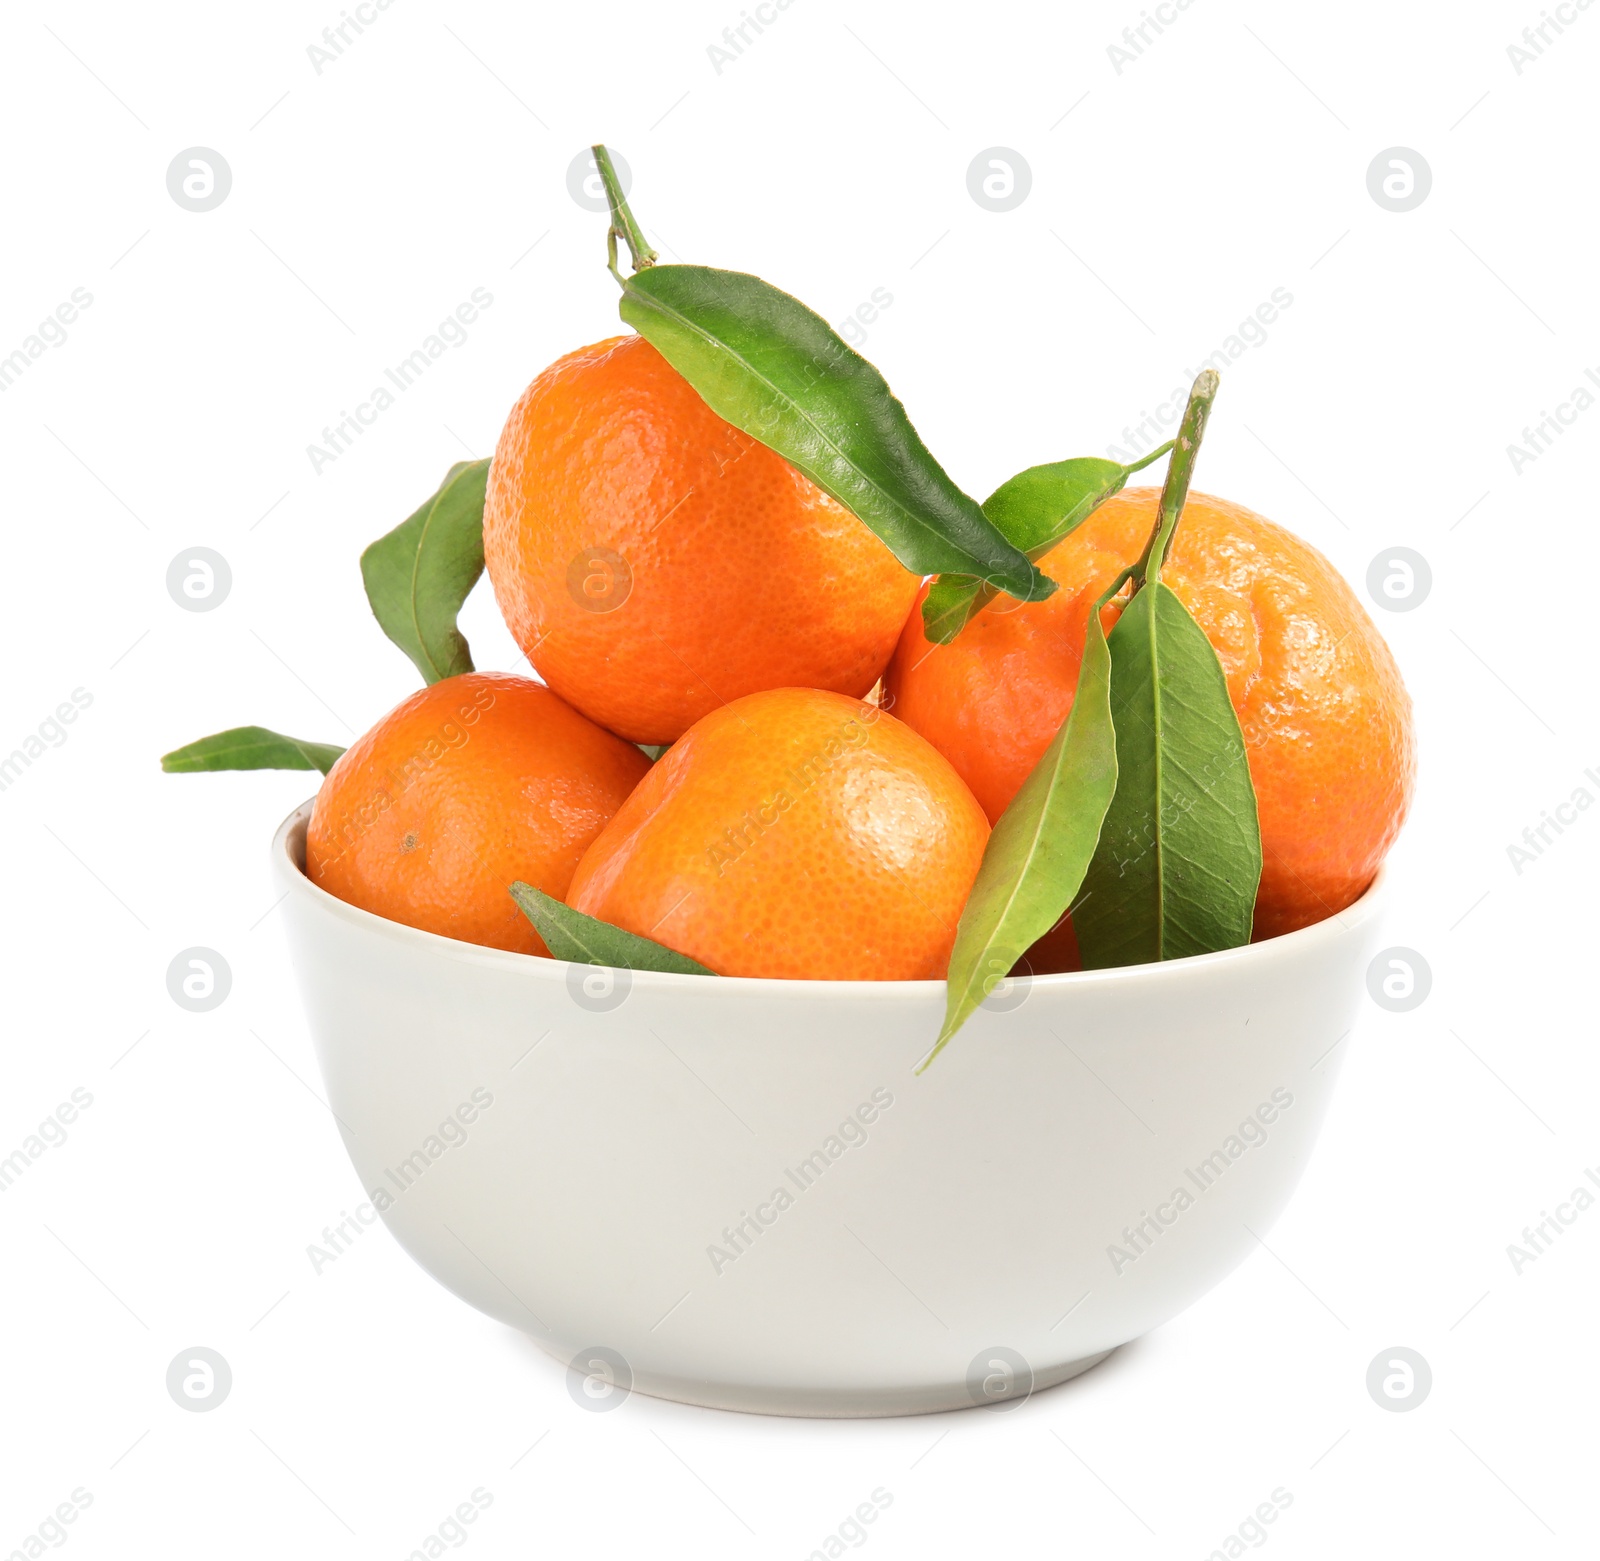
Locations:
(829, 775)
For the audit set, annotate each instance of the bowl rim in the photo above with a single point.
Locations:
(1302, 942)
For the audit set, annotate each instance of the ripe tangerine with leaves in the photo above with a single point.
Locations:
(1325, 716)
(653, 562)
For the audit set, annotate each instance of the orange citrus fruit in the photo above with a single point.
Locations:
(1325, 716)
(793, 833)
(459, 791)
(653, 562)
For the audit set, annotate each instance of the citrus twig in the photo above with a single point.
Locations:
(623, 225)
(1176, 489)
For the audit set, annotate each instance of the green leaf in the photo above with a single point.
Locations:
(952, 602)
(1034, 511)
(1039, 506)
(419, 574)
(249, 748)
(585, 940)
(765, 363)
(1041, 847)
(1179, 858)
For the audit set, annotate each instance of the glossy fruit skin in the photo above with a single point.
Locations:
(459, 791)
(1325, 715)
(793, 833)
(736, 572)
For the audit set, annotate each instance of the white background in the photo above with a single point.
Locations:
(831, 157)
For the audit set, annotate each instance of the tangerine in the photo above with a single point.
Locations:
(793, 833)
(1325, 715)
(459, 791)
(653, 562)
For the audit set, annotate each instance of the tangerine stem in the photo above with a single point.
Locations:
(1179, 470)
(623, 225)
(1150, 459)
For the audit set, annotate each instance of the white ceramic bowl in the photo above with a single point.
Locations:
(736, 1193)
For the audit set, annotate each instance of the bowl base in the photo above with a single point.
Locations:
(847, 1404)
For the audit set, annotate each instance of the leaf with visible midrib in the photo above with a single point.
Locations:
(770, 366)
(418, 575)
(1179, 859)
(249, 748)
(1041, 846)
(585, 940)
(1034, 511)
